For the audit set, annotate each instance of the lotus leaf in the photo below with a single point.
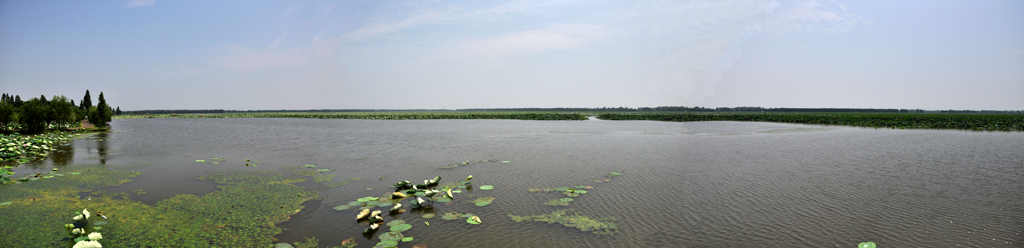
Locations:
(487, 187)
(400, 228)
(396, 222)
(442, 199)
(372, 203)
(200, 161)
(355, 203)
(475, 220)
(385, 203)
(342, 207)
(615, 173)
(533, 190)
(5, 203)
(565, 199)
(450, 216)
(866, 245)
(549, 189)
(570, 218)
(407, 239)
(570, 194)
(428, 216)
(580, 192)
(561, 188)
(310, 166)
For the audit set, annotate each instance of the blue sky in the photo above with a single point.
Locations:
(157, 54)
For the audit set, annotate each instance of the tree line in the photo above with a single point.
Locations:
(37, 114)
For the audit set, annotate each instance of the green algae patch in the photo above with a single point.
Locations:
(241, 213)
(570, 218)
(319, 178)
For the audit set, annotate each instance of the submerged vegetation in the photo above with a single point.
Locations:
(570, 218)
(232, 216)
(986, 122)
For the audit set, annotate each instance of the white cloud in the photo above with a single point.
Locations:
(807, 16)
(245, 59)
(139, 3)
(423, 17)
(556, 37)
(292, 9)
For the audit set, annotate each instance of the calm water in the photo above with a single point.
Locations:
(700, 184)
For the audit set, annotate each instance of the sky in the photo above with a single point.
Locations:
(249, 55)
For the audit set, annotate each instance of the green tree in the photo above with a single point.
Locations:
(63, 110)
(33, 115)
(86, 101)
(103, 113)
(6, 113)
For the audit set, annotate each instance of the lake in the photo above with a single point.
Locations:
(696, 184)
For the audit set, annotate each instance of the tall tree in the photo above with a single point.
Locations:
(6, 113)
(103, 113)
(86, 101)
(118, 111)
(33, 115)
(62, 110)
(17, 101)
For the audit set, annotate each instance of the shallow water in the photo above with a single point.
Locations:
(698, 184)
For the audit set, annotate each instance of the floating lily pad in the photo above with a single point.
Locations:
(419, 194)
(487, 187)
(368, 198)
(443, 199)
(283, 245)
(407, 239)
(5, 203)
(475, 220)
(534, 190)
(323, 170)
(549, 189)
(400, 228)
(866, 245)
(391, 236)
(483, 201)
(355, 203)
(450, 216)
(396, 222)
(570, 194)
(342, 207)
(310, 166)
(385, 204)
(570, 218)
(75, 173)
(99, 223)
(580, 192)
(561, 188)
(614, 173)
(200, 161)
(428, 216)
(565, 199)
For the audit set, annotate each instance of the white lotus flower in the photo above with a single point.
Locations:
(77, 231)
(87, 244)
(95, 236)
(86, 213)
(78, 217)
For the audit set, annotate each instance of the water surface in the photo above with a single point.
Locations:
(697, 184)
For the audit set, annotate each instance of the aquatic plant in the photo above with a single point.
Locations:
(81, 231)
(484, 201)
(232, 216)
(570, 218)
(987, 122)
(866, 245)
(24, 148)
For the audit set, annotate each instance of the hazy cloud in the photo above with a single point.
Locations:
(245, 59)
(139, 3)
(556, 37)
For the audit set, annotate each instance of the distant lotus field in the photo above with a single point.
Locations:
(986, 122)
(981, 122)
(382, 115)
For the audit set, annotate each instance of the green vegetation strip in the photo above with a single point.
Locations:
(569, 218)
(241, 213)
(987, 122)
(387, 115)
